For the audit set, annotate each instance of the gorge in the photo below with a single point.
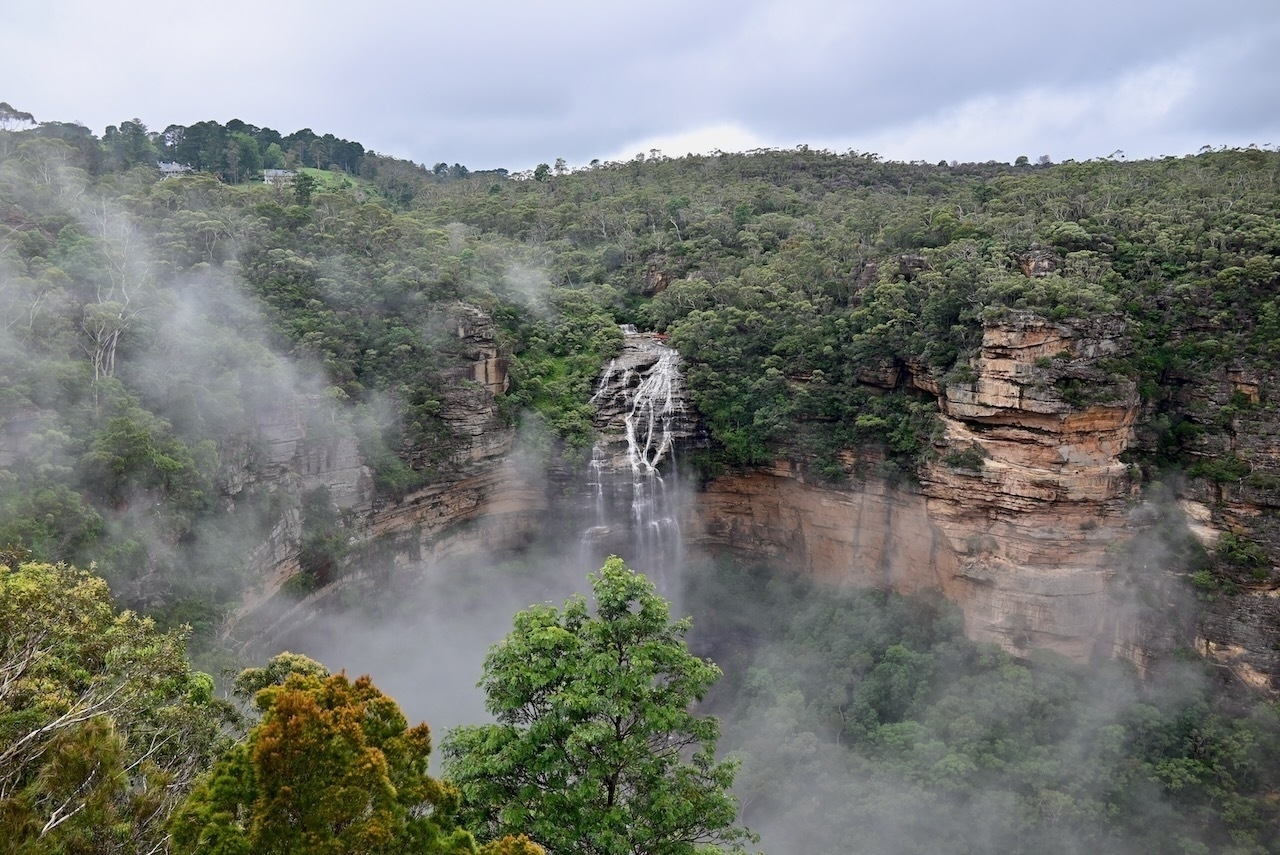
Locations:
(1026, 518)
(967, 474)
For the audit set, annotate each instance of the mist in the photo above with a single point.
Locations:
(865, 721)
(214, 403)
(154, 423)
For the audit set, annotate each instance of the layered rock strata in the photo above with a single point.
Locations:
(1028, 487)
(634, 499)
(1027, 518)
(484, 502)
(642, 414)
(1239, 626)
(493, 511)
(1012, 521)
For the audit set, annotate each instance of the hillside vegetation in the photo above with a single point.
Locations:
(151, 327)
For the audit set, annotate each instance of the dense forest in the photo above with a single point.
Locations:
(150, 326)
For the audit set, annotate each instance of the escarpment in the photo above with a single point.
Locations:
(1231, 501)
(1028, 514)
(1029, 488)
(1013, 518)
(482, 499)
(634, 499)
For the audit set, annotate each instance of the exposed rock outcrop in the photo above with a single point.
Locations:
(476, 350)
(492, 510)
(640, 401)
(868, 535)
(483, 501)
(1027, 517)
(1033, 505)
(1234, 508)
(634, 499)
(1013, 520)
(1038, 262)
(282, 453)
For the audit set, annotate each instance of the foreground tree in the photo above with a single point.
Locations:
(103, 726)
(332, 767)
(595, 750)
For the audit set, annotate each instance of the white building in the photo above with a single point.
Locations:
(169, 169)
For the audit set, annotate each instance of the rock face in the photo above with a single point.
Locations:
(495, 509)
(282, 454)
(1240, 620)
(1038, 262)
(1029, 489)
(483, 501)
(1017, 519)
(1012, 521)
(477, 350)
(870, 536)
(642, 414)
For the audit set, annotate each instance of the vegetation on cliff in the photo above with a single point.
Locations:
(159, 335)
(800, 286)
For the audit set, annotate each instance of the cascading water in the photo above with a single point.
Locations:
(632, 477)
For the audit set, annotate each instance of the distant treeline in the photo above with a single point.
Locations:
(235, 152)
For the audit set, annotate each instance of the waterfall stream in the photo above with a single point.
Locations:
(632, 477)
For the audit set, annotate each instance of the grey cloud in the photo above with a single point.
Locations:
(511, 84)
(888, 69)
(1237, 86)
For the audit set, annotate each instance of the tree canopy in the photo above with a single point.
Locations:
(595, 750)
(332, 767)
(103, 725)
(869, 724)
(151, 326)
(154, 331)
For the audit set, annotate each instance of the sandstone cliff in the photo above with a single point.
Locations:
(1016, 518)
(1233, 505)
(484, 500)
(1027, 517)
(1032, 507)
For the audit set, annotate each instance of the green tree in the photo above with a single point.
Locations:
(135, 451)
(13, 119)
(304, 186)
(595, 749)
(273, 157)
(332, 767)
(129, 145)
(243, 157)
(103, 726)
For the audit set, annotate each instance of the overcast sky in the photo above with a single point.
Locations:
(500, 83)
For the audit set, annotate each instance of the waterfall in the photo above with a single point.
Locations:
(653, 411)
(632, 479)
